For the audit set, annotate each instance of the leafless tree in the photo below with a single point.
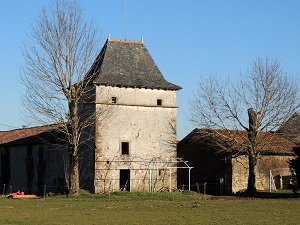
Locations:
(261, 99)
(60, 53)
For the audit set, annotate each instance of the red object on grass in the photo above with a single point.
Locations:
(19, 194)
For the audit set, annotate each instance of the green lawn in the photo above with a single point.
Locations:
(146, 208)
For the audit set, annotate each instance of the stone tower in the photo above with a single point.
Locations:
(135, 132)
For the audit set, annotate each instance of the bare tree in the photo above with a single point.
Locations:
(62, 49)
(260, 100)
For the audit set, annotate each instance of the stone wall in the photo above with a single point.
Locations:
(239, 174)
(143, 119)
(278, 164)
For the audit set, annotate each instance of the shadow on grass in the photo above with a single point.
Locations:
(269, 195)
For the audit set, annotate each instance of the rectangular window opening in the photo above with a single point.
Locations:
(125, 148)
(114, 99)
(159, 102)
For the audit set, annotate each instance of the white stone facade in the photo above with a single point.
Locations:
(135, 139)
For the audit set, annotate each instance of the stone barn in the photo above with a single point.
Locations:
(134, 144)
(212, 162)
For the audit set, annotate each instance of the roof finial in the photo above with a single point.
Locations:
(125, 20)
(142, 40)
(108, 36)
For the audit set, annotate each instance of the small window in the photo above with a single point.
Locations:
(159, 102)
(125, 148)
(114, 99)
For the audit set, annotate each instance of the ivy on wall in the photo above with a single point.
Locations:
(41, 169)
(29, 169)
(5, 168)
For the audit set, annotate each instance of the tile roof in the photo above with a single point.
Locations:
(267, 143)
(291, 128)
(33, 135)
(128, 64)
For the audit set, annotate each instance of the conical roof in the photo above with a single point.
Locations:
(126, 63)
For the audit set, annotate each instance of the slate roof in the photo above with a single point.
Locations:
(124, 63)
(33, 135)
(268, 143)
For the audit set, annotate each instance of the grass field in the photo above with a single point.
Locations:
(155, 208)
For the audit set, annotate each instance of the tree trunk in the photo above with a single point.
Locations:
(252, 155)
(252, 172)
(74, 187)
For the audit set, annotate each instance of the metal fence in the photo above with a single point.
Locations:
(212, 187)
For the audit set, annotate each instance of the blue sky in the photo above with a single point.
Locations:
(188, 40)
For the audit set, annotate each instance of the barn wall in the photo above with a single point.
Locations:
(278, 164)
(33, 166)
(208, 165)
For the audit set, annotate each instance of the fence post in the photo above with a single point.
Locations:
(221, 186)
(270, 181)
(3, 189)
(170, 188)
(150, 180)
(10, 189)
(204, 188)
(182, 187)
(44, 191)
(189, 179)
(198, 189)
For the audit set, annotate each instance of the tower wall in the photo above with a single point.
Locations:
(135, 133)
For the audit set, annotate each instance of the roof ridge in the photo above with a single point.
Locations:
(16, 135)
(28, 128)
(125, 41)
